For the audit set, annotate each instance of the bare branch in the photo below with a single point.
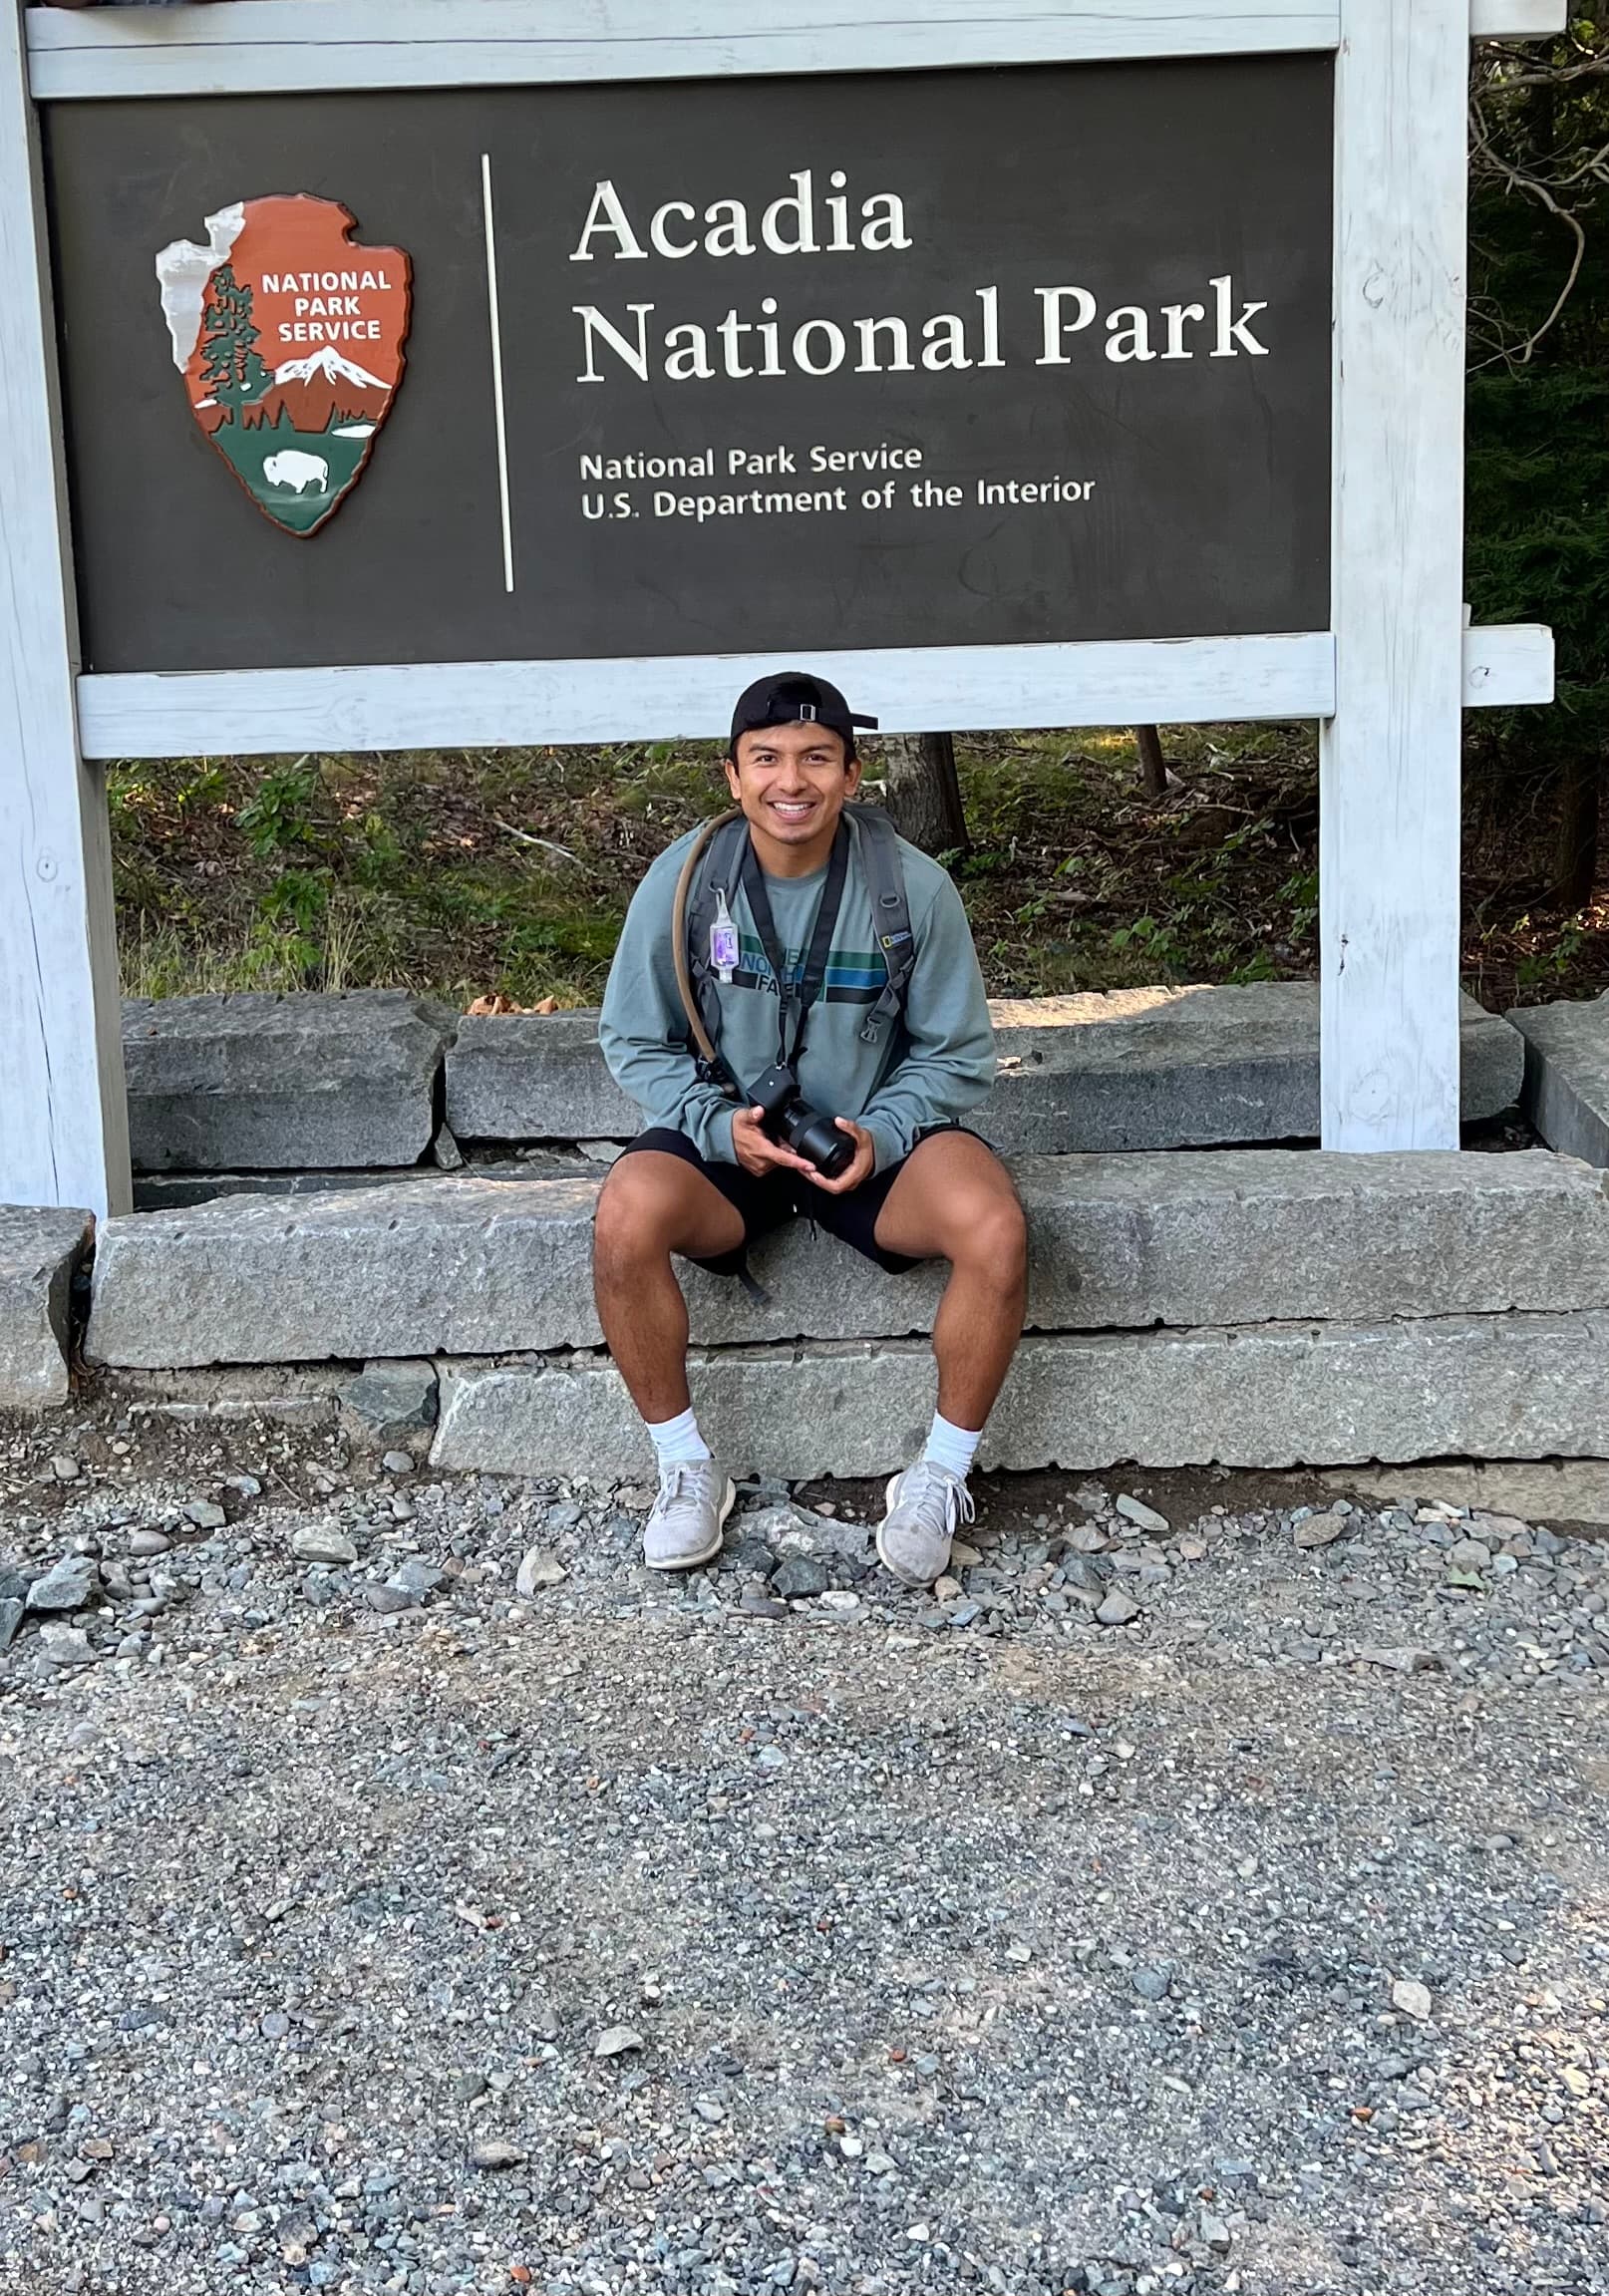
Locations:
(1560, 76)
(1503, 132)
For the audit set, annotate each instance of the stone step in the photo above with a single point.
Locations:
(1567, 1093)
(39, 1252)
(267, 1083)
(1131, 1069)
(277, 1083)
(1283, 1395)
(460, 1265)
(533, 1077)
(177, 1191)
(1138, 1069)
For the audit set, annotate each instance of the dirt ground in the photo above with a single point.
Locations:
(367, 1926)
(470, 873)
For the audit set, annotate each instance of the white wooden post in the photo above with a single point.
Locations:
(1389, 835)
(64, 1126)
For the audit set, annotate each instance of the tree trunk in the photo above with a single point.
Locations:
(1152, 765)
(1576, 859)
(924, 792)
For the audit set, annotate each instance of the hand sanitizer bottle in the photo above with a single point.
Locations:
(723, 938)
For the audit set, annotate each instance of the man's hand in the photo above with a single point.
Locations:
(756, 1153)
(865, 1157)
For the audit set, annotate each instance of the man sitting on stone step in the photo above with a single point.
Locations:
(827, 962)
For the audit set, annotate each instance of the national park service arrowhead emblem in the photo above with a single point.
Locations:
(290, 343)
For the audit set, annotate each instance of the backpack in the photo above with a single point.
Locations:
(712, 867)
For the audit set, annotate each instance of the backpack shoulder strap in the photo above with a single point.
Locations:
(890, 913)
(715, 871)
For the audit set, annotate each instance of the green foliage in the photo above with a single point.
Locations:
(1299, 898)
(1538, 394)
(297, 899)
(417, 870)
(128, 791)
(1538, 549)
(1156, 939)
(278, 818)
(1543, 968)
(207, 787)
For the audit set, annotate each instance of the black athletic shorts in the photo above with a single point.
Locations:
(763, 1205)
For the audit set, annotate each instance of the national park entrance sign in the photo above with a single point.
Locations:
(393, 373)
(786, 366)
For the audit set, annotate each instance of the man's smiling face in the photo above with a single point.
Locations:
(793, 782)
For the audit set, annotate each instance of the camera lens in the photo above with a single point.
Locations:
(819, 1138)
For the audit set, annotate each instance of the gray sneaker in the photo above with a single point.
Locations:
(695, 1498)
(924, 1505)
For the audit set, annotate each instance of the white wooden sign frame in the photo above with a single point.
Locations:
(1387, 681)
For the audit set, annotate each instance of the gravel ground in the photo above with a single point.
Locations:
(367, 1923)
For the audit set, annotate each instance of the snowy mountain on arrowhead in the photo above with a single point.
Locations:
(315, 393)
(329, 363)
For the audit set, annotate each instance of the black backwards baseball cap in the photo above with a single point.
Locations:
(792, 698)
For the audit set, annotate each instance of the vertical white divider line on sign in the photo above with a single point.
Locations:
(497, 373)
(64, 1119)
(1389, 759)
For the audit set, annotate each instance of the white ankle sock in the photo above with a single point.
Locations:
(952, 1447)
(678, 1438)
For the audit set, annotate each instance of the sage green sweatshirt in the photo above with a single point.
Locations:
(929, 1067)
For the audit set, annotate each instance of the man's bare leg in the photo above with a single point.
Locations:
(653, 1205)
(954, 1200)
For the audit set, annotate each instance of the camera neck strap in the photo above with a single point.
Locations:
(813, 977)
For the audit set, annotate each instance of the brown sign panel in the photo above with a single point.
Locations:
(967, 357)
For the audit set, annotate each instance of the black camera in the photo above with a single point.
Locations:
(791, 1123)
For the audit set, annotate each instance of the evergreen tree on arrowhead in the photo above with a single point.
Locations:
(234, 372)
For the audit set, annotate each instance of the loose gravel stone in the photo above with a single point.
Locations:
(416, 1578)
(616, 2040)
(1412, 1998)
(1135, 1510)
(1470, 1555)
(1118, 1609)
(797, 1577)
(66, 1645)
(539, 1568)
(68, 1585)
(391, 1399)
(304, 1901)
(1401, 1658)
(323, 1542)
(498, 2152)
